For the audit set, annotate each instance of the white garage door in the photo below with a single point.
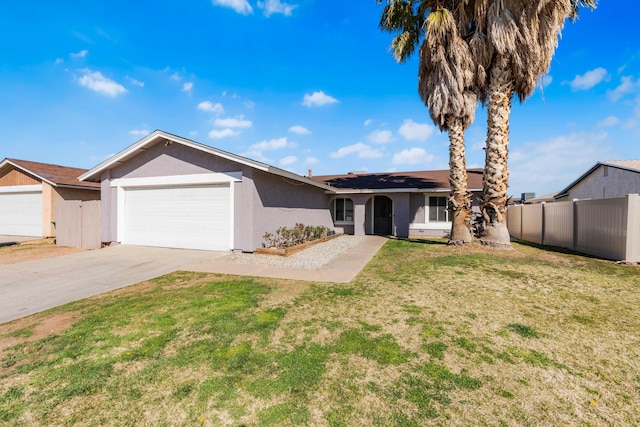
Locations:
(190, 217)
(20, 212)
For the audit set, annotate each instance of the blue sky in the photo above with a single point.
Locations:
(299, 84)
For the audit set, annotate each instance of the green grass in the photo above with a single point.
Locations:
(426, 334)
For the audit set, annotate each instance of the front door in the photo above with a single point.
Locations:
(382, 216)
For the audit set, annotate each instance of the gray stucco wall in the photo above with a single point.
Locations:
(617, 183)
(279, 202)
(416, 208)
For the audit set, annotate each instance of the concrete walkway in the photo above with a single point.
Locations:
(340, 270)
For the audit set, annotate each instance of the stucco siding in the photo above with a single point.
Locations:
(606, 182)
(281, 202)
(416, 208)
(173, 159)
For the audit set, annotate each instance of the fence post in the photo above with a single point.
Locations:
(542, 227)
(574, 210)
(632, 252)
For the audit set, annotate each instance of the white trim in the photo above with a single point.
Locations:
(176, 180)
(427, 205)
(35, 188)
(430, 226)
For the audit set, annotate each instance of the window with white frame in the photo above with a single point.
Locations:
(438, 211)
(343, 209)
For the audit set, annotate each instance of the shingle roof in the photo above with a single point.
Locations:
(438, 179)
(59, 176)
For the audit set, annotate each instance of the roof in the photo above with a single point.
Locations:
(632, 165)
(415, 181)
(55, 175)
(629, 165)
(159, 135)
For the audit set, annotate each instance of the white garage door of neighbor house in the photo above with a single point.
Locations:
(189, 217)
(21, 213)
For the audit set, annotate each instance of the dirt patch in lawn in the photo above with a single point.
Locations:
(33, 250)
(30, 329)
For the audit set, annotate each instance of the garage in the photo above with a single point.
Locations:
(189, 217)
(21, 210)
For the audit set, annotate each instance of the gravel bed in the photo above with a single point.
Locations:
(312, 258)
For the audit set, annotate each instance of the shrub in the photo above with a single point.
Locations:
(286, 237)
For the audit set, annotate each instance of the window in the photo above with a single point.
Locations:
(343, 210)
(438, 211)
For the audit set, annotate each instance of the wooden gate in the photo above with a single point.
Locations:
(78, 224)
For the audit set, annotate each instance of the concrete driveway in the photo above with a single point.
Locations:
(34, 286)
(7, 240)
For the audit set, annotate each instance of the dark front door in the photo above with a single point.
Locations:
(382, 215)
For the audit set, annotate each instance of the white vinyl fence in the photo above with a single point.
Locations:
(608, 228)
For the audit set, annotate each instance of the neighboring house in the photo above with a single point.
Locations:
(403, 204)
(605, 180)
(169, 191)
(29, 192)
(547, 198)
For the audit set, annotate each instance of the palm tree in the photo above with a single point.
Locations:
(447, 86)
(513, 42)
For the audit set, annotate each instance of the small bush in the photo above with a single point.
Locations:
(286, 237)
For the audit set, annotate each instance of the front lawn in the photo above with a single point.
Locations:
(426, 334)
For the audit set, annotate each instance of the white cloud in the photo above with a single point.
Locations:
(273, 144)
(274, 6)
(362, 151)
(101, 84)
(380, 136)
(58, 61)
(139, 133)
(542, 166)
(588, 79)
(288, 160)
(80, 54)
(368, 122)
(255, 150)
(135, 82)
(626, 85)
(210, 107)
(318, 99)
(187, 87)
(231, 122)
(412, 131)
(176, 76)
(608, 121)
(300, 130)
(413, 156)
(222, 133)
(249, 105)
(546, 80)
(311, 160)
(241, 6)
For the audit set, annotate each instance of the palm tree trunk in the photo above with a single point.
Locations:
(496, 172)
(460, 198)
